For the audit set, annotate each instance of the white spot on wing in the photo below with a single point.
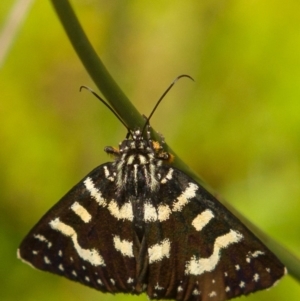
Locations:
(61, 267)
(158, 287)
(164, 212)
(159, 251)
(255, 277)
(184, 198)
(99, 281)
(107, 174)
(95, 193)
(257, 253)
(227, 289)
(81, 212)
(202, 219)
(242, 284)
(237, 267)
(150, 214)
(47, 260)
(124, 246)
(212, 294)
(196, 292)
(42, 238)
(168, 177)
(125, 212)
(197, 266)
(90, 255)
(254, 254)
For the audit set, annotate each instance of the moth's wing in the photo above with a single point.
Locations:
(83, 237)
(198, 250)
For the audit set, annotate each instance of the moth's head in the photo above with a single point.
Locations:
(136, 144)
(138, 140)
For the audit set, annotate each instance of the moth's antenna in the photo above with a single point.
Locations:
(107, 105)
(164, 94)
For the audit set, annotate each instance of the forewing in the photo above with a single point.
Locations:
(87, 237)
(198, 250)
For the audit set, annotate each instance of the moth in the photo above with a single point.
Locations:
(139, 225)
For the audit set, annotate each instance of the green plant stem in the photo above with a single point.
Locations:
(133, 119)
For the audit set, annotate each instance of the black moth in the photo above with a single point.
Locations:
(138, 225)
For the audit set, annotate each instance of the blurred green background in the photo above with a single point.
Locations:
(238, 125)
